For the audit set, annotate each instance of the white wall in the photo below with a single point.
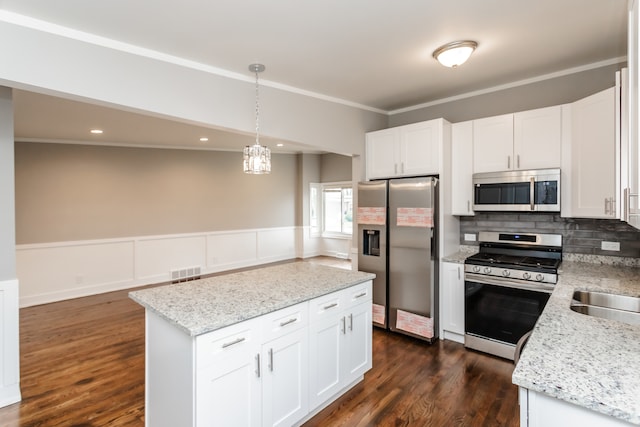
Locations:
(49, 63)
(9, 346)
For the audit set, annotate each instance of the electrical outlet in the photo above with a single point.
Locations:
(610, 246)
(469, 237)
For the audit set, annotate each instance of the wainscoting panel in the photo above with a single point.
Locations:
(232, 250)
(56, 271)
(156, 257)
(9, 344)
(276, 244)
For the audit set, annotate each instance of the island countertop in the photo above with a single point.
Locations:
(585, 360)
(204, 305)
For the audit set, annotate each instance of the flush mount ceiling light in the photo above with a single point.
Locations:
(256, 157)
(455, 53)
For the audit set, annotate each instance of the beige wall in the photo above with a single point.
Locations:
(77, 192)
(335, 168)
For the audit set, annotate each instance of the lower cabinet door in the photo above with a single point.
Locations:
(285, 386)
(358, 341)
(326, 342)
(228, 392)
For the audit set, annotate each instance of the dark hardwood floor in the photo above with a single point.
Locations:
(415, 384)
(82, 364)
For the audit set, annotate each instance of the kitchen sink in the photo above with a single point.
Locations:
(607, 306)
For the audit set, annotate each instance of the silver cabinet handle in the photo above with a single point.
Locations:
(395, 168)
(258, 365)
(402, 167)
(508, 162)
(234, 342)
(625, 208)
(360, 295)
(344, 325)
(468, 205)
(327, 307)
(271, 359)
(458, 273)
(288, 322)
(351, 322)
(518, 161)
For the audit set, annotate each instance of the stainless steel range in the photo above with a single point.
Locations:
(507, 284)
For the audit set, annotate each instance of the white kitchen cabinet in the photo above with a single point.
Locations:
(629, 123)
(524, 140)
(340, 341)
(285, 393)
(589, 166)
(541, 410)
(227, 370)
(462, 168)
(452, 313)
(537, 138)
(408, 150)
(257, 372)
(493, 143)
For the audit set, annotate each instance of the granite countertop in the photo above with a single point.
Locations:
(585, 360)
(204, 305)
(463, 253)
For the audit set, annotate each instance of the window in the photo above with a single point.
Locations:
(331, 209)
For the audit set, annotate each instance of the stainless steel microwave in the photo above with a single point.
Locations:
(526, 190)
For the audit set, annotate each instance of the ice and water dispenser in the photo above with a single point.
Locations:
(371, 242)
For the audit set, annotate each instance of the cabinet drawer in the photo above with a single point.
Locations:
(358, 293)
(326, 305)
(231, 341)
(281, 322)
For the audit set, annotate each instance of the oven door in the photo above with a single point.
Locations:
(497, 316)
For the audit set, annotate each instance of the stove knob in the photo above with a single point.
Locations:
(526, 276)
(506, 273)
(476, 269)
(539, 277)
(487, 270)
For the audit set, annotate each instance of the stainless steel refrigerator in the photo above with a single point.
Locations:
(397, 235)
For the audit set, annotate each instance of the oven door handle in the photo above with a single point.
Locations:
(490, 280)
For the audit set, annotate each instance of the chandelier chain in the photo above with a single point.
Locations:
(257, 110)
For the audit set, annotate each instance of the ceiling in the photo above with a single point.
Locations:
(373, 53)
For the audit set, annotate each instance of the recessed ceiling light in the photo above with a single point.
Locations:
(96, 131)
(204, 139)
(280, 144)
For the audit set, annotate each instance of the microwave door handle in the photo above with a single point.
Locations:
(532, 192)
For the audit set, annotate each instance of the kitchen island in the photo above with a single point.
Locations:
(269, 346)
(578, 369)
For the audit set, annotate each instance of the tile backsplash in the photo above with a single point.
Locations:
(580, 236)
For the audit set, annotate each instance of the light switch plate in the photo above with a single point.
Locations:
(469, 237)
(610, 246)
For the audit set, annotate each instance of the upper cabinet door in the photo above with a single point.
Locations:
(537, 138)
(381, 152)
(493, 144)
(461, 168)
(410, 150)
(589, 158)
(420, 148)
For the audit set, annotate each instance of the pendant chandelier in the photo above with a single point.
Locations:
(257, 158)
